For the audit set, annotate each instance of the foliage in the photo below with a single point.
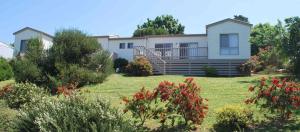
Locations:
(164, 24)
(139, 67)
(245, 68)
(74, 58)
(292, 43)
(71, 114)
(20, 94)
(169, 101)
(241, 18)
(120, 63)
(210, 71)
(277, 96)
(5, 70)
(233, 118)
(7, 117)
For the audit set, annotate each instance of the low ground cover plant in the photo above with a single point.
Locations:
(233, 118)
(170, 103)
(141, 66)
(210, 71)
(19, 94)
(71, 113)
(278, 96)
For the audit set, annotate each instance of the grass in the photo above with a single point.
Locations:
(219, 91)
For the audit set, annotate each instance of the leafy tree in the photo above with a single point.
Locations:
(241, 18)
(262, 35)
(165, 24)
(292, 43)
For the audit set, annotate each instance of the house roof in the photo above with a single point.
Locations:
(229, 20)
(2, 44)
(159, 36)
(32, 29)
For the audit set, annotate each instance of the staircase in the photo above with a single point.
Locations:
(188, 66)
(158, 64)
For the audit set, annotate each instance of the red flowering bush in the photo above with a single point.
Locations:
(169, 101)
(277, 96)
(141, 105)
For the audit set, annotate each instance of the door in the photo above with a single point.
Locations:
(183, 50)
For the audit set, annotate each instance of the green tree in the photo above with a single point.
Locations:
(292, 43)
(262, 35)
(241, 18)
(165, 24)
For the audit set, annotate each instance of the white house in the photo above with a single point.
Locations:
(6, 51)
(224, 46)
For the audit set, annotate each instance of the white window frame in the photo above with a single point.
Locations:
(129, 44)
(230, 49)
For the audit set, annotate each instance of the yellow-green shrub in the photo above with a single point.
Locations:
(232, 118)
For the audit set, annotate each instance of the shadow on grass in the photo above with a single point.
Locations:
(278, 125)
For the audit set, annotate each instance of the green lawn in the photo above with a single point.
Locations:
(219, 91)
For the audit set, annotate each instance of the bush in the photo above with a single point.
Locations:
(277, 96)
(245, 68)
(180, 103)
(20, 94)
(5, 70)
(210, 71)
(139, 67)
(121, 64)
(72, 113)
(233, 118)
(7, 118)
(74, 58)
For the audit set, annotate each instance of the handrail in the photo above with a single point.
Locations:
(155, 59)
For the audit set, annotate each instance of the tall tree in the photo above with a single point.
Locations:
(262, 35)
(165, 24)
(241, 18)
(292, 43)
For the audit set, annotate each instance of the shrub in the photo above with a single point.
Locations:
(7, 118)
(74, 58)
(277, 96)
(169, 102)
(121, 64)
(5, 70)
(210, 71)
(19, 94)
(232, 118)
(72, 113)
(254, 63)
(139, 67)
(245, 68)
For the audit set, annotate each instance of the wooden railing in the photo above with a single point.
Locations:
(158, 63)
(181, 53)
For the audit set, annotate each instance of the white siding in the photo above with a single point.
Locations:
(113, 46)
(201, 40)
(213, 35)
(29, 34)
(6, 51)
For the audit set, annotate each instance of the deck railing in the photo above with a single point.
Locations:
(181, 53)
(156, 61)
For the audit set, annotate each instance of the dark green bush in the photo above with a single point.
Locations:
(20, 94)
(139, 67)
(5, 70)
(210, 71)
(233, 118)
(74, 58)
(120, 63)
(71, 114)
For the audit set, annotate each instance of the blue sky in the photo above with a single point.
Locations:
(104, 17)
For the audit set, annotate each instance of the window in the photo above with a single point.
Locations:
(122, 46)
(164, 49)
(23, 46)
(129, 45)
(229, 44)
